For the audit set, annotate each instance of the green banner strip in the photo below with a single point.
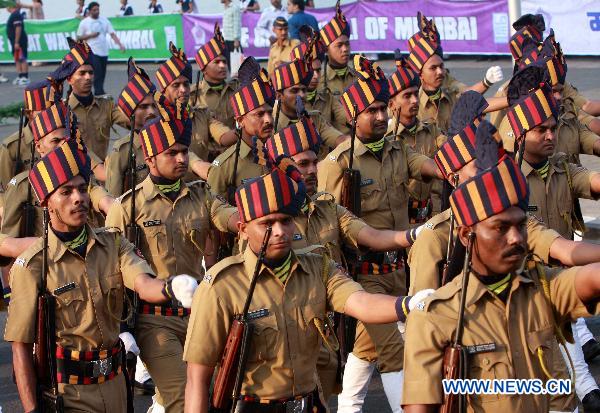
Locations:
(144, 37)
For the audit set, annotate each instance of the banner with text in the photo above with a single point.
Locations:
(576, 23)
(144, 37)
(466, 27)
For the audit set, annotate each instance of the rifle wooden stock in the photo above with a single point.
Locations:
(40, 349)
(28, 220)
(228, 383)
(350, 197)
(451, 371)
(18, 160)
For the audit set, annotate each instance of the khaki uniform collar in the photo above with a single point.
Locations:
(332, 74)
(555, 166)
(424, 98)
(286, 43)
(74, 102)
(245, 149)
(57, 249)
(476, 289)
(151, 191)
(250, 260)
(402, 128)
(205, 88)
(360, 148)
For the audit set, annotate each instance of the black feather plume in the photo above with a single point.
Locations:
(486, 147)
(468, 107)
(249, 70)
(300, 109)
(535, 20)
(524, 81)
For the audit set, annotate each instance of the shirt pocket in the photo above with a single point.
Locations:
(196, 232)
(313, 320)
(156, 239)
(544, 340)
(112, 291)
(264, 339)
(489, 366)
(70, 307)
(370, 197)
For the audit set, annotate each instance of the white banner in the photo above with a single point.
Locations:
(576, 23)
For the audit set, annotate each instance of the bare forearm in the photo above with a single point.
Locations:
(496, 103)
(594, 126)
(587, 283)
(201, 168)
(596, 148)
(100, 172)
(196, 388)
(592, 107)
(228, 138)
(150, 289)
(372, 308)
(382, 240)
(13, 247)
(571, 253)
(478, 87)
(430, 170)
(24, 374)
(17, 34)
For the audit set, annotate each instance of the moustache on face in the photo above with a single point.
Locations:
(516, 250)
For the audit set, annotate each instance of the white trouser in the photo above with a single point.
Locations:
(141, 372)
(584, 382)
(355, 383)
(155, 407)
(581, 329)
(392, 386)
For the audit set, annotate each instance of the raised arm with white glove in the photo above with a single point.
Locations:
(180, 288)
(493, 75)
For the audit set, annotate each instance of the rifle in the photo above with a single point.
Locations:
(44, 350)
(198, 77)
(455, 357)
(18, 160)
(521, 152)
(350, 197)
(227, 384)
(133, 233)
(29, 210)
(277, 111)
(450, 247)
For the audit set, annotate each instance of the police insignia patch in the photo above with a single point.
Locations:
(20, 262)
(332, 157)
(366, 182)
(221, 198)
(216, 162)
(139, 253)
(13, 181)
(297, 237)
(420, 306)
(207, 278)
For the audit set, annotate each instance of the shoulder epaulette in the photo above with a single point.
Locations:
(222, 265)
(36, 248)
(339, 150)
(224, 156)
(441, 294)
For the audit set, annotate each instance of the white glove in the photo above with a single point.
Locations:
(494, 75)
(414, 233)
(183, 287)
(130, 344)
(418, 297)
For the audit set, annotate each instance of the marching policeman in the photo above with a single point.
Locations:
(137, 100)
(87, 271)
(280, 50)
(174, 219)
(291, 80)
(96, 115)
(385, 167)
(252, 105)
(513, 309)
(288, 307)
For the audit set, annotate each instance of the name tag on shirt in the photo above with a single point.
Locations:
(481, 348)
(152, 223)
(255, 315)
(297, 237)
(366, 182)
(67, 287)
(532, 208)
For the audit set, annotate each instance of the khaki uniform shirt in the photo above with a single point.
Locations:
(498, 116)
(554, 198)
(8, 155)
(426, 140)
(331, 109)
(87, 316)
(285, 345)
(517, 330)
(279, 54)
(206, 131)
(328, 133)
(333, 83)
(328, 224)
(96, 120)
(451, 83)
(220, 174)
(117, 165)
(217, 101)
(19, 194)
(440, 113)
(173, 233)
(427, 255)
(383, 191)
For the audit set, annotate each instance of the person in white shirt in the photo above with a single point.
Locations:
(263, 32)
(93, 29)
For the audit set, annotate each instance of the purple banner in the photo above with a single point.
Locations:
(466, 27)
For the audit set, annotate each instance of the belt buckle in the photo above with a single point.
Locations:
(102, 367)
(390, 257)
(295, 406)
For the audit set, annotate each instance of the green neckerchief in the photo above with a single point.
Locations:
(304, 207)
(543, 169)
(341, 72)
(283, 271)
(168, 188)
(216, 88)
(434, 96)
(310, 96)
(78, 241)
(413, 129)
(375, 146)
(499, 286)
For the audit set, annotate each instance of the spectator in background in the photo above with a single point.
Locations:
(310, 4)
(249, 5)
(36, 9)
(81, 11)
(232, 28)
(126, 9)
(94, 29)
(154, 7)
(280, 50)
(263, 32)
(298, 18)
(15, 31)
(186, 5)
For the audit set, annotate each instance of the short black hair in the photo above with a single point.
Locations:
(299, 3)
(93, 4)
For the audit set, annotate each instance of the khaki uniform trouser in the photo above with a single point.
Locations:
(327, 367)
(381, 342)
(110, 396)
(161, 340)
